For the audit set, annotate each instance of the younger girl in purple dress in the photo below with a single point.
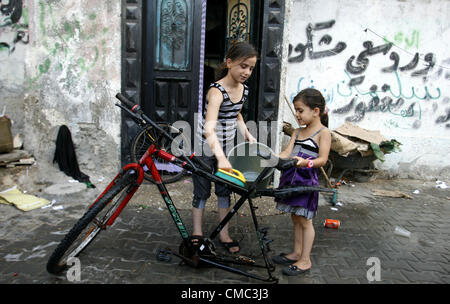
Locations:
(310, 145)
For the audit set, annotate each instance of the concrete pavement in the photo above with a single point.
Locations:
(364, 250)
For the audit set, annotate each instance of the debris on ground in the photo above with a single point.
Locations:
(24, 202)
(390, 193)
(15, 158)
(350, 138)
(441, 185)
(402, 232)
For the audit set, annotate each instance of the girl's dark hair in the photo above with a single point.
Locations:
(314, 99)
(237, 50)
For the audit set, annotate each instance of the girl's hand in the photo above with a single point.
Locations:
(224, 164)
(300, 161)
(251, 139)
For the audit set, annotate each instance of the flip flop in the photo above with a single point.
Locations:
(293, 270)
(229, 245)
(282, 259)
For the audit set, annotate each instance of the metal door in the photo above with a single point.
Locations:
(171, 59)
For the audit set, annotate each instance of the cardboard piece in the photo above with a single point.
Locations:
(351, 130)
(389, 193)
(24, 202)
(342, 145)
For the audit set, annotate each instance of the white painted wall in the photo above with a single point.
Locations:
(422, 121)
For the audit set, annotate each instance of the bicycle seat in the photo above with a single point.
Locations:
(236, 177)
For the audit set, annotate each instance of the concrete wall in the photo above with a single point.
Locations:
(60, 64)
(387, 89)
(67, 72)
(14, 40)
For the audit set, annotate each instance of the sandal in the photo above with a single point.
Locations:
(229, 245)
(293, 270)
(282, 259)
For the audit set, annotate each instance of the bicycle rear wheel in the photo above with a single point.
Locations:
(90, 224)
(169, 172)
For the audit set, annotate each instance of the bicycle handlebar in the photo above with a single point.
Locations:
(136, 110)
(282, 163)
(129, 104)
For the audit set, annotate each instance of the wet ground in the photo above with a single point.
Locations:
(126, 252)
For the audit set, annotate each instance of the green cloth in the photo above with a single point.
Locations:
(385, 147)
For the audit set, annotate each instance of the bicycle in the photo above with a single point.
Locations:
(195, 251)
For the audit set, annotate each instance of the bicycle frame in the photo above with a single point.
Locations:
(245, 196)
(148, 162)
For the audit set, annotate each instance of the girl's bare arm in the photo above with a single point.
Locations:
(244, 130)
(324, 148)
(286, 153)
(215, 99)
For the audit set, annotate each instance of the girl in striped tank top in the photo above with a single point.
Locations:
(221, 119)
(310, 146)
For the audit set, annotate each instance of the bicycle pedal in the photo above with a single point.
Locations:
(267, 242)
(164, 255)
(264, 231)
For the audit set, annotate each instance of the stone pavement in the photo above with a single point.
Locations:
(125, 253)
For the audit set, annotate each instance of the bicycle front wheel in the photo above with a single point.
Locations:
(90, 224)
(169, 172)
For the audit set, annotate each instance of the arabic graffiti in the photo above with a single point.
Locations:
(357, 65)
(13, 25)
(402, 39)
(399, 96)
(362, 62)
(326, 39)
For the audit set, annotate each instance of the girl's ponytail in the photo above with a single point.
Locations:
(324, 117)
(221, 71)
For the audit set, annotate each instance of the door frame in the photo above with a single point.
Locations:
(270, 48)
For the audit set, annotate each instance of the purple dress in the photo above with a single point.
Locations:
(304, 204)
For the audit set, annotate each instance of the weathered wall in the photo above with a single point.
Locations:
(13, 44)
(383, 65)
(68, 73)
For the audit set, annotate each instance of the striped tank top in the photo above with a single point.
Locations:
(227, 119)
(306, 146)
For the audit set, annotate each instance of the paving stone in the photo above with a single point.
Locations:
(126, 252)
(422, 277)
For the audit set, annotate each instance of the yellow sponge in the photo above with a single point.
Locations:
(237, 178)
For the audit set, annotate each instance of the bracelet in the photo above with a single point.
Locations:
(310, 164)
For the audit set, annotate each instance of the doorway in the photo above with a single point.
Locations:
(167, 88)
(228, 21)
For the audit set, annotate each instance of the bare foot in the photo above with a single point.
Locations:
(303, 264)
(293, 256)
(226, 240)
